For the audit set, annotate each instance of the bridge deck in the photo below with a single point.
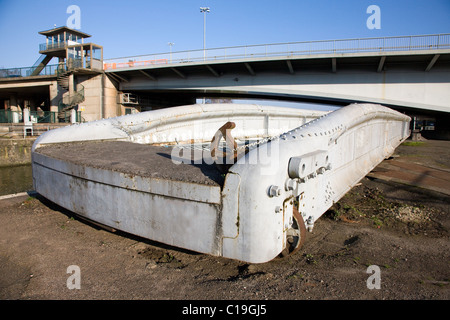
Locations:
(132, 158)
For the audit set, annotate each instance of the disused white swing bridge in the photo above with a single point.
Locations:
(123, 173)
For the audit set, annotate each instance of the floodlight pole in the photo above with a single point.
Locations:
(204, 10)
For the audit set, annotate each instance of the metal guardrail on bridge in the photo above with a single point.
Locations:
(385, 44)
(27, 71)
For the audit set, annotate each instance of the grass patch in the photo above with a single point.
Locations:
(413, 143)
(296, 275)
(310, 259)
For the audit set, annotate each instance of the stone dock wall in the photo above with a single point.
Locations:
(15, 151)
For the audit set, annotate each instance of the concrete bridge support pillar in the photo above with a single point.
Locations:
(73, 116)
(442, 127)
(54, 97)
(71, 84)
(13, 104)
(111, 107)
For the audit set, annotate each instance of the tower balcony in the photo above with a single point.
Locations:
(51, 46)
(58, 39)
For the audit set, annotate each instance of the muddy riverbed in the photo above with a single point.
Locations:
(15, 179)
(401, 230)
(404, 233)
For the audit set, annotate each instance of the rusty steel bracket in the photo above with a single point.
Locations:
(224, 160)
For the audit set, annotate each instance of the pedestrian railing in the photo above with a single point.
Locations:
(385, 44)
(27, 71)
(8, 116)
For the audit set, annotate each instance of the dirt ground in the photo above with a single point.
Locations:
(401, 229)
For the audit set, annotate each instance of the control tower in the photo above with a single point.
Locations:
(68, 45)
(75, 57)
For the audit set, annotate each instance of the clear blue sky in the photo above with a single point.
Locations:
(135, 27)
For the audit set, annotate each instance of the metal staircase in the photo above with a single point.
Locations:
(68, 101)
(40, 64)
(63, 80)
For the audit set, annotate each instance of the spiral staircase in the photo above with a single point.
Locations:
(68, 101)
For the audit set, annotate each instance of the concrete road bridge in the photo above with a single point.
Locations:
(409, 73)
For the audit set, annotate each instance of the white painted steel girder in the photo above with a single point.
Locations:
(317, 162)
(182, 124)
(249, 218)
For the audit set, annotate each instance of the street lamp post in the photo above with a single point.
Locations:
(204, 10)
(170, 45)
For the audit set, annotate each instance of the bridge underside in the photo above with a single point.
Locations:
(18, 93)
(406, 81)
